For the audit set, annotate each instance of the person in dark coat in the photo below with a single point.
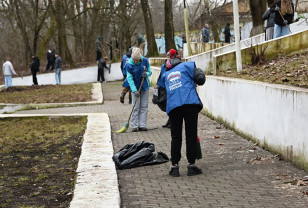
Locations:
(125, 85)
(49, 64)
(269, 16)
(53, 59)
(183, 104)
(100, 72)
(206, 33)
(227, 33)
(35, 67)
(284, 14)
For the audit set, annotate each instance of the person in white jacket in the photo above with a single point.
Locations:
(8, 71)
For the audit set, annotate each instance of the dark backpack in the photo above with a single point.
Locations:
(160, 97)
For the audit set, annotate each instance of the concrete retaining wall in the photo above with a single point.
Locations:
(274, 115)
(273, 48)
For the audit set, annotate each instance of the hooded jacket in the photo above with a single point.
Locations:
(278, 19)
(8, 69)
(134, 74)
(35, 65)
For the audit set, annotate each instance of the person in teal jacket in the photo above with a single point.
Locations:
(183, 104)
(138, 68)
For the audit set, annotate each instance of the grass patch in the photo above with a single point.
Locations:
(38, 159)
(287, 70)
(47, 94)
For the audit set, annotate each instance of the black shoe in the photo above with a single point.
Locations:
(193, 170)
(122, 97)
(143, 129)
(174, 171)
(167, 125)
(134, 129)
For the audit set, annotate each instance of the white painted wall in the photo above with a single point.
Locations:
(274, 114)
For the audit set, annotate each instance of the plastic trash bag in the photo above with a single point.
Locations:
(139, 154)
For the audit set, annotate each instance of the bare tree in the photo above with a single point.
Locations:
(169, 28)
(152, 47)
(257, 8)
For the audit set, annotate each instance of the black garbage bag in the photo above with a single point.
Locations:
(139, 154)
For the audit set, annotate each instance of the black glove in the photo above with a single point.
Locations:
(144, 74)
(136, 94)
(277, 9)
(285, 22)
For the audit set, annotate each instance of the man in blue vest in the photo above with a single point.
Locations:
(183, 103)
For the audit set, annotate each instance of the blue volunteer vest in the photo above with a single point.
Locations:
(180, 86)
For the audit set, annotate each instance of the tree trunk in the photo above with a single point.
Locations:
(169, 28)
(152, 47)
(21, 26)
(257, 8)
(62, 41)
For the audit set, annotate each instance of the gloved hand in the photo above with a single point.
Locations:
(144, 74)
(285, 22)
(136, 93)
(277, 9)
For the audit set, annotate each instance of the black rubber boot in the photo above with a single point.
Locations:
(122, 97)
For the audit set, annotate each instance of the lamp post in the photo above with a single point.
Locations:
(237, 37)
(187, 29)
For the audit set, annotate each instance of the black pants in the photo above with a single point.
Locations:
(188, 113)
(49, 64)
(34, 77)
(98, 55)
(100, 75)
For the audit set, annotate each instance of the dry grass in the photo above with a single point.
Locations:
(47, 94)
(38, 159)
(287, 70)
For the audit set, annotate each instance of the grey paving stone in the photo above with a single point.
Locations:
(231, 178)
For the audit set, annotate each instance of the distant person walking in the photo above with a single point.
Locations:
(227, 33)
(140, 42)
(58, 68)
(98, 47)
(269, 17)
(183, 105)
(100, 72)
(284, 14)
(206, 33)
(8, 71)
(35, 67)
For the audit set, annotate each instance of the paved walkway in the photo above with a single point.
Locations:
(236, 172)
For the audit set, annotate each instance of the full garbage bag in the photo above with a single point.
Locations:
(139, 154)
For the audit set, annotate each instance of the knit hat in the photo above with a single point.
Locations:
(172, 52)
(136, 54)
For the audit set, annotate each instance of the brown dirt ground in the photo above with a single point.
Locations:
(47, 94)
(38, 159)
(287, 70)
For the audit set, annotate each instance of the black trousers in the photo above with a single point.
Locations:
(49, 64)
(100, 75)
(189, 114)
(98, 55)
(34, 79)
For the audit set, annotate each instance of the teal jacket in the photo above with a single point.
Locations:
(134, 74)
